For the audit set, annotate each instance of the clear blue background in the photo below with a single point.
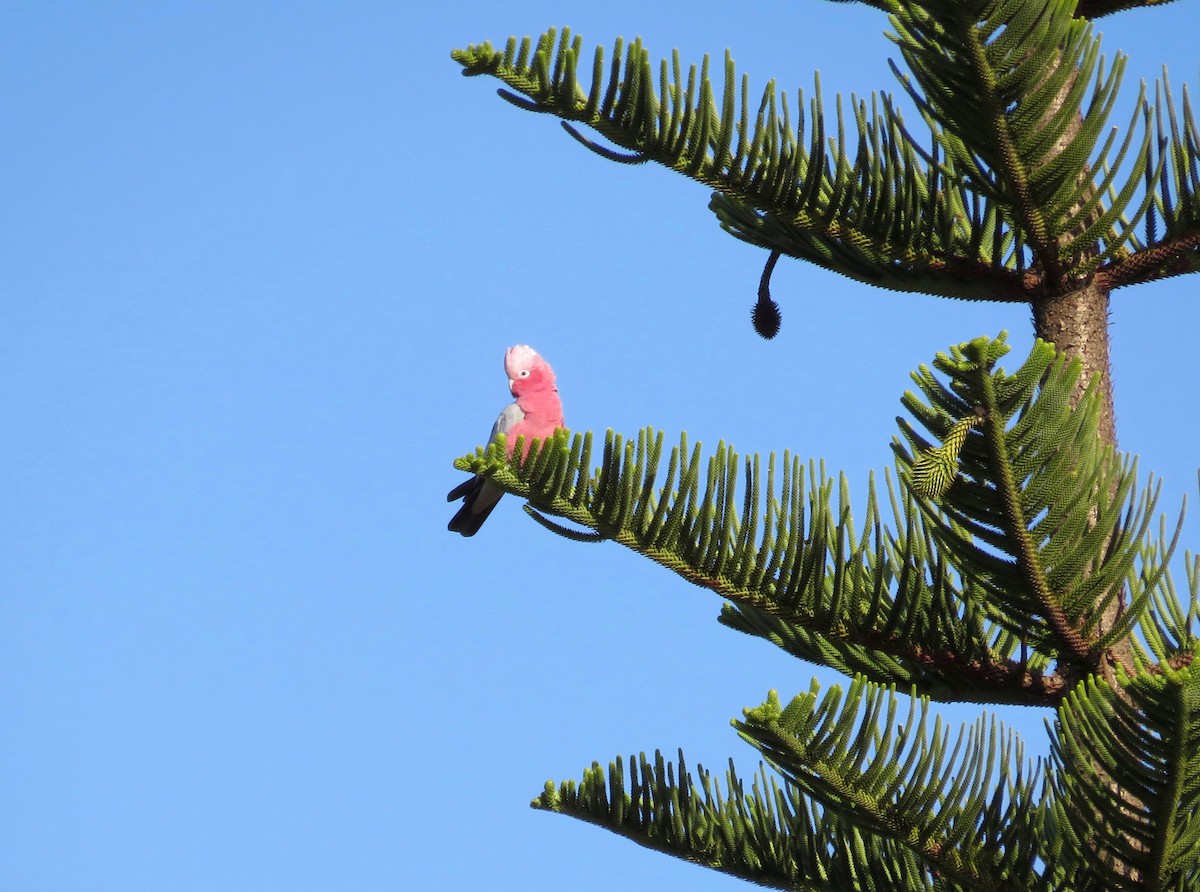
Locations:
(259, 263)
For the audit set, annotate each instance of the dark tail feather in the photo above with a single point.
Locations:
(478, 502)
(467, 488)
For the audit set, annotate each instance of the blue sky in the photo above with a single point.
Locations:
(260, 264)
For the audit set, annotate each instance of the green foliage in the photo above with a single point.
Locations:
(1051, 531)
(952, 595)
(771, 835)
(1127, 766)
(934, 470)
(1088, 9)
(877, 799)
(1014, 186)
(970, 810)
(1007, 89)
(986, 592)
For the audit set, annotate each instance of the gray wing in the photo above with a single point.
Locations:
(480, 497)
(508, 419)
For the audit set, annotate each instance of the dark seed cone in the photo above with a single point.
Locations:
(766, 317)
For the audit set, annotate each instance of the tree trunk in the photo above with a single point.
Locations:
(1076, 322)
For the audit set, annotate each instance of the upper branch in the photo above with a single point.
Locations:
(1084, 9)
(874, 205)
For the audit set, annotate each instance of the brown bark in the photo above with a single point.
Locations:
(1076, 322)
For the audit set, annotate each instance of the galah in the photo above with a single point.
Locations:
(537, 412)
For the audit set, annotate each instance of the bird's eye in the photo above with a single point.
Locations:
(524, 373)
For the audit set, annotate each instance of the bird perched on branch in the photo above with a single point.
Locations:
(536, 413)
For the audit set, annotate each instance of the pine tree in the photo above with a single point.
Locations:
(1012, 556)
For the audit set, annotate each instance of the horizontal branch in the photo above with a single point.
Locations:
(1171, 257)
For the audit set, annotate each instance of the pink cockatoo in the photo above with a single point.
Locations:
(537, 413)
